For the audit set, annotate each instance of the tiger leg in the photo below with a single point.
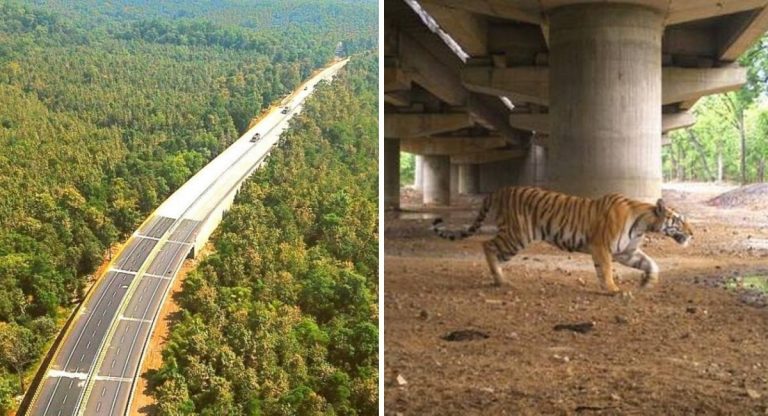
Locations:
(639, 260)
(604, 268)
(498, 249)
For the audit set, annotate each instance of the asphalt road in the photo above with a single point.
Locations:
(95, 367)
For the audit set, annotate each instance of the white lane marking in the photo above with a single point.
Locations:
(143, 274)
(126, 318)
(67, 374)
(111, 378)
(167, 241)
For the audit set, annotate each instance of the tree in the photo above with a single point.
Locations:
(18, 349)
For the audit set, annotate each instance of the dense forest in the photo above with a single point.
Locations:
(281, 318)
(107, 107)
(729, 141)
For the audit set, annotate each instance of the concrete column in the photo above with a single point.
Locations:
(469, 179)
(437, 180)
(533, 169)
(454, 179)
(391, 174)
(418, 174)
(605, 94)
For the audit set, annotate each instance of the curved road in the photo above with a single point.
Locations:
(95, 367)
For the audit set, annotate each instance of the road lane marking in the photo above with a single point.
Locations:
(111, 378)
(127, 318)
(67, 374)
(167, 241)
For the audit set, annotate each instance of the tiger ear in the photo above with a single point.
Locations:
(660, 208)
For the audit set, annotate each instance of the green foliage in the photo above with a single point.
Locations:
(730, 137)
(107, 107)
(281, 319)
(407, 167)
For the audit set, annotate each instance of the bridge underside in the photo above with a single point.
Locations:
(574, 95)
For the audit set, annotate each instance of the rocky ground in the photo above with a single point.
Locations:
(695, 344)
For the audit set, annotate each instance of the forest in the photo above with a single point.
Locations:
(106, 108)
(281, 318)
(729, 141)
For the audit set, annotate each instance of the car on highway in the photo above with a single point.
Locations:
(285, 110)
(255, 137)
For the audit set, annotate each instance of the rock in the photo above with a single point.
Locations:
(753, 394)
(562, 359)
(621, 319)
(581, 328)
(581, 281)
(513, 335)
(691, 309)
(401, 380)
(424, 314)
(487, 390)
(615, 397)
(465, 335)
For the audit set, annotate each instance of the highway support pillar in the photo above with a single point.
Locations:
(469, 179)
(418, 172)
(391, 174)
(605, 94)
(437, 180)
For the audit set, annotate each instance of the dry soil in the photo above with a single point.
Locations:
(688, 346)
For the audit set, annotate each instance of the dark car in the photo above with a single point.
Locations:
(255, 137)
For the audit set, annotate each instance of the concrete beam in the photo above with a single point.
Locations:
(688, 41)
(447, 145)
(403, 125)
(529, 84)
(398, 98)
(487, 157)
(431, 64)
(516, 44)
(683, 84)
(504, 9)
(469, 30)
(429, 72)
(675, 121)
(533, 122)
(688, 10)
(492, 113)
(744, 36)
(395, 79)
(540, 122)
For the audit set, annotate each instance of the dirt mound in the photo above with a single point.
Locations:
(753, 196)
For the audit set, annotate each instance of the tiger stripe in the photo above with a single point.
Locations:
(610, 228)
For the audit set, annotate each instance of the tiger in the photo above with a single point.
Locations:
(609, 228)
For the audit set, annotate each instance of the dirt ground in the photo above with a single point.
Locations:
(687, 346)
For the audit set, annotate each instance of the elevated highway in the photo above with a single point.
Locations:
(95, 367)
(575, 95)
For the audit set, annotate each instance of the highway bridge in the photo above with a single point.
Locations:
(95, 367)
(574, 95)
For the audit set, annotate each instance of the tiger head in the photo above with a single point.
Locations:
(672, 224)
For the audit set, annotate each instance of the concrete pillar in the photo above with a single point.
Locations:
(533, 169)
(391, 174)
(437, 180)
(469, 179)
(418, 172)
(454, 179)
(605, 94)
